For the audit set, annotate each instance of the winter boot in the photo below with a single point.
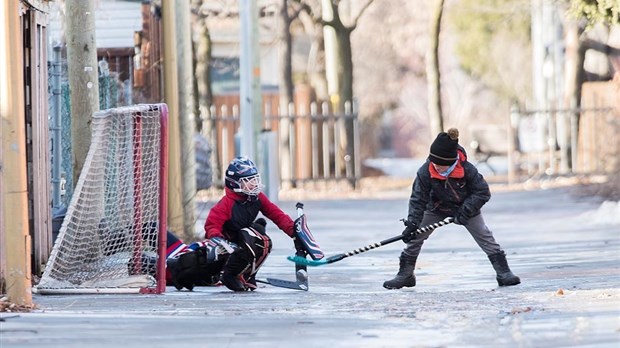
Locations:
(505, 277)
(234, 269)
(405, 276)
(236, 282)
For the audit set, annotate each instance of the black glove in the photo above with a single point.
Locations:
(461, 218)
(409, 232)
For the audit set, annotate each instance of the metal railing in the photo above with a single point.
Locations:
(112, 93)
(570, 140)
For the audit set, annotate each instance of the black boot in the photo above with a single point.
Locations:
(234, 269)
(405, 276)
(505, 277)
(234, 282)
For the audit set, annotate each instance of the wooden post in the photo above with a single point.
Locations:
(15, 240)
(83, 76)
(171, 90)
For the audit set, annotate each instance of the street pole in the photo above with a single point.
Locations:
(250, 93)
(186, 116)
(83, 76)
(171, 90)
(14, 226)
(538, 80)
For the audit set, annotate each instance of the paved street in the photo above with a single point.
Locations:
(568, 259)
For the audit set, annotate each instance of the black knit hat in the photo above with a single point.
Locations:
(443, 149)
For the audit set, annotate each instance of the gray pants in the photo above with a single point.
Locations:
(476, 227)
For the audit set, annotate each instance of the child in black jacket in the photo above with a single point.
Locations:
(448, 185)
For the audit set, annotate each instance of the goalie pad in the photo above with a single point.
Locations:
(256, 245)
(200, 263)
(304, 237)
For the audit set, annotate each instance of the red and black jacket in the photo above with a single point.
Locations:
(464, 189)
(235, 211)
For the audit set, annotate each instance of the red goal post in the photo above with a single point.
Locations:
(113, 237)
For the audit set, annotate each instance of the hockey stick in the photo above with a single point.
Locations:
(336, 258)
(301, 273)
(300, 284)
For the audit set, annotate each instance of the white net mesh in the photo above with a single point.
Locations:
(109, 237)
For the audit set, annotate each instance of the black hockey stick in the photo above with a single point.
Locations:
(301, 273)
(336, 258)
(300, 284)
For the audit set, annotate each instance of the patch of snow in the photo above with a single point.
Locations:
(608, 213)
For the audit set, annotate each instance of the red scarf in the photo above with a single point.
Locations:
(457, 173)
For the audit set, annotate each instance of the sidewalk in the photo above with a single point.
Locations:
(569, 264)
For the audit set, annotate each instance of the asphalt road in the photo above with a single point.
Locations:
(568, 260)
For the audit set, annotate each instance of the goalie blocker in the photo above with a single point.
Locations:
(304, 244)
(304, 240)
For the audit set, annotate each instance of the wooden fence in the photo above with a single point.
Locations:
(599, 128)
(310, 141)
(583, 140)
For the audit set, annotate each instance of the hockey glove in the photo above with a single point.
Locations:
(409, 232)
(461, 217)
(222, 243)
(304, 239)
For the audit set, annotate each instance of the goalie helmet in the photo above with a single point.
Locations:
(242, 176)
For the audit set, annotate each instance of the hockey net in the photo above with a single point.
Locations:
(113, 237)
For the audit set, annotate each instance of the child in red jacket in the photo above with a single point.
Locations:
(236, 244)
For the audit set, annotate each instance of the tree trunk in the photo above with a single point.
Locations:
(83, 76)
(203, 94)
(344, 70)
(346, 92)
(344, 65)
(285, 44)
(573, 79)
(316, 58)
(285, 92)
(433, 75)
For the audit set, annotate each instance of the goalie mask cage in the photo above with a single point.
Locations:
(113, 237)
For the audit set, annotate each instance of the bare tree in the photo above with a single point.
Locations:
(202, 58)
(345, 69)
(433, 75)
(343, 46)
(285, 40)
(203, 93)
(288, 12)
(310, 19)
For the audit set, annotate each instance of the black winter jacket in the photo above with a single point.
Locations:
(449, 196)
